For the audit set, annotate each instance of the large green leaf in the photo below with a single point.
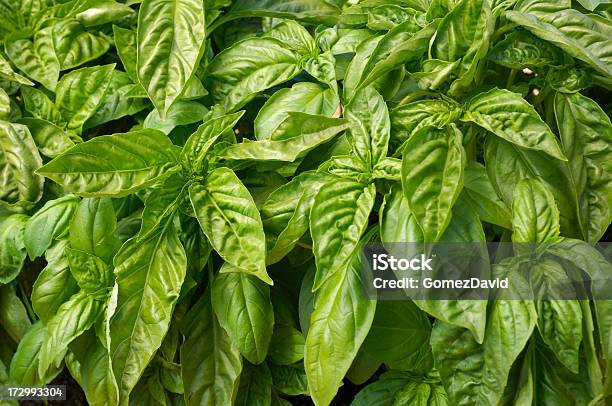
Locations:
(406, 119)
(559, 321)
(13, 314)
(210, 364)
(24, 365)
(369, 126)
(170, 44)
(477, 374)
(149, 273)
(7, 73)
(338, 218)
(37, 58)
(338, 326)
(80, 93)
(586, 137)
(113, 165)
(251, 66)
(286, 212)
(479, 192)
(228, 216)
(399, 335)
(509, 116)
(74, 46)
(244, 310)
(577, 34)
(55, 284)
(72, 319)
(48, 223)
(432, 177)
(255, 386)
(535, 217)
(12, 246)
(89, 364)
(458, 30)
(298, 134)
(50, 139)
(92, 228)
(19, 159)
(198, 144)
(307, 10)
(304, 97)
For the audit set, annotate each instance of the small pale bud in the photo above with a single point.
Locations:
(527, 71)
(536, 92)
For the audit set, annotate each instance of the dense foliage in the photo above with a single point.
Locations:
(186, 184)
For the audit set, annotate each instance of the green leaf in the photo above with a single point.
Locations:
(477, 374)
(116, 102)
(509, 116)
(12, 246)
(586, 137)
(7, 73)
(304, 97)
(19, 159)
(92, 228)
(74, 46)
(289, 379)
(162, 202)
(287, 345)
(105, 12)
(507, 164)
(210, 371)
(50, 139)
(80, 93)
(125, 42)
(242, 305)
(113, 165)
(40, 106)
(170, 44)
(286, 212)
(522, 49)
(255, 386)
(383, 391)
(399, 335)
(397, 224)
(228, 216)
(369, 126)
(72, 319)
(37, 58)
(239, 73)
(204, 137)
(479, 192)
(384, 54)
(92, 274)
(407, 119)
(535, 217)
(149, 275)
(339, 324)
(306, 10)
(88, 360)
(55, 284)
(293, 138)
(575, 33)
(180, 113)
(48, 223)
(338, 218)
(559, 321)
(458, 30)
(25, 362)
(13, 314)
(432, 177)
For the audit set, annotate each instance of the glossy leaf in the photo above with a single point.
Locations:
(12, 246)
(169, 47)
(242, 305)
(113, 165)
(19, 159)
(535, 215)
(339, 324)
(228, 216)
(149, 276)
(432, 177)
(293, 138)
(338, 219)
(510, 117)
